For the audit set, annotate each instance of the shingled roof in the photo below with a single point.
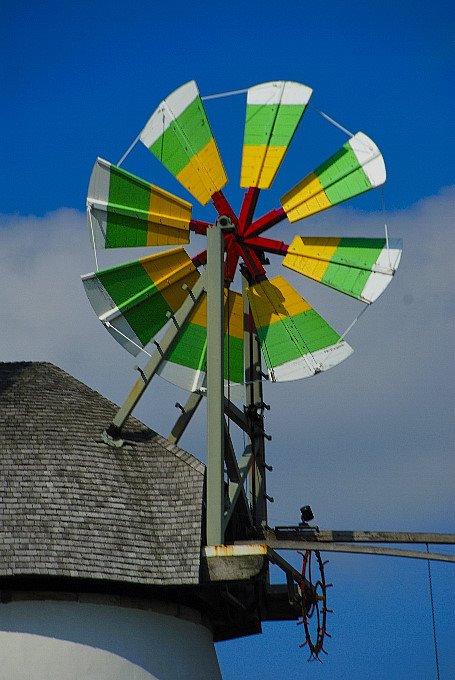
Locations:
(70, 506)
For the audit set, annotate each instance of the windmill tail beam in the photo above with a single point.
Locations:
(359, 550)
(294, 534)
(293, 538)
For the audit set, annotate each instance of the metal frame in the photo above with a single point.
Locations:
(345, 541)
(112, 435)
(215, 382)
(220, 451)
(250, 468)
(254, 410)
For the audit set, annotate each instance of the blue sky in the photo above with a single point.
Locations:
(369, 444)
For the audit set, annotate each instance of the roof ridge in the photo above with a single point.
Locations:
(185, 456)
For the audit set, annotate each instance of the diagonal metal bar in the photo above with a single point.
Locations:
(184, 419)
(237, 480)
(240, 419)
(244, 466)
(355, 536)
(358, 549)
(265, 222)
(283, 564)
(223, 207)
(232, 467)
(269, 245)
(236, 415)
(113, 432)
(248, 207)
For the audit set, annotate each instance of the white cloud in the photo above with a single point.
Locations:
(367, 444)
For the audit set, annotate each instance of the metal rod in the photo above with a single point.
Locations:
(184, 418)
(237, 488)
(215, 384)
(355, 536)
(223, 94)
(129, 150)
(155, 361)
(358, 549)
(252, 357)
(275, 558)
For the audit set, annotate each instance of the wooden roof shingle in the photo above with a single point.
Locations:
(70, 506)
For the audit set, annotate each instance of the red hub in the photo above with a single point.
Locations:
(245, 242)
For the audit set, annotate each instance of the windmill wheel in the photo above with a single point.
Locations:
(135, 300)
(314, 603)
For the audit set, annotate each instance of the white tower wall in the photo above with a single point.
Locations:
(47, 640)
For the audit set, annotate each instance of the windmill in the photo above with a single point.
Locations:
(210, 339)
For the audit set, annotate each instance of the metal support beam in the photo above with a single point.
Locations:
(326, 536)
(254, 401)
(215, 382)
(236, 415)
(358, 549)
(184, 418)
(232, 468)
(112, 434)
(310, 539)
(283, 564)
(237, 473)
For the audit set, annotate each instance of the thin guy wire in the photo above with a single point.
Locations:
(89, 210)
(245, 90)
(348, 329)
(385, 225)
(129, 149)
(351, 325)
(435, 641)
(109, 325)
(224, 94)
(332, 120)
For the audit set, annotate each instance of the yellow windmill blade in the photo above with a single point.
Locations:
(359, 267)
(179, 135)
(132, 300)
(296, 342)
(186, 362)
(124, 211)
(273, 112)
(354, 169)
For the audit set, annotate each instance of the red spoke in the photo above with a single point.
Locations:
(223, 206)
(200, 259)
(245, 241)
(230, 265)
(265, 222)
(247, 210)
(269, 245)
(233, 253)
(199, 227)
(253, 264)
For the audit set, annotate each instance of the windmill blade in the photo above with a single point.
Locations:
(126, 212)
(186, 362)
(273, 112)
(356, 168)
(179, 135)
(359, 267)
(132, 299)
(296, 342)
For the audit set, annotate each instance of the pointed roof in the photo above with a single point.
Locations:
(71, 506)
